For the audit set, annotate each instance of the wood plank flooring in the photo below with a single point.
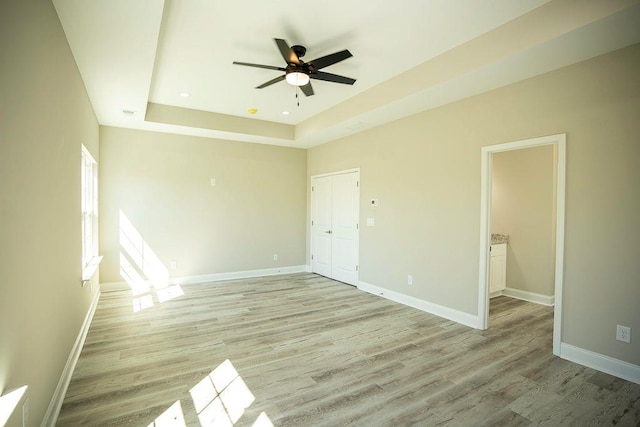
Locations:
(303, 350)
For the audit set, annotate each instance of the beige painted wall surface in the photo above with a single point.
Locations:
(161, 183)
(45, 116)
(425, 171)
(523, 207)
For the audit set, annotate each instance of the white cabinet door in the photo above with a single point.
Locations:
(335, 213)
(498, 268)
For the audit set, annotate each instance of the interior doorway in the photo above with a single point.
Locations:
(335, 211)
(559, 143)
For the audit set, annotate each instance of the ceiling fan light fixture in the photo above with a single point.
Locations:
(297, 78)
(298, 73)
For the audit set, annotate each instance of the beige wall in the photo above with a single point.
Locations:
(45, 116)
(161, 182)
(425, 171)
(523, 207)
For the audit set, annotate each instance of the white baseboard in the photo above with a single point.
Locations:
(548, 300)
(114, 286)
(626, 371)
(308, 268)
(215, 277)
(51, 416)
(495, 294)
(426, 306)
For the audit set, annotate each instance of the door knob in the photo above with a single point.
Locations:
(328, 232)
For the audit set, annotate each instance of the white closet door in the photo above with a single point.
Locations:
(335, 214)
(344, 225)
(321, 226)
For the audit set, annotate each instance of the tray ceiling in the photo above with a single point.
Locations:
(137, 58)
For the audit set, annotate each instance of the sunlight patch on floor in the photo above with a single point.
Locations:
(262, 421)
(221, 398)
(172, 417)
(9, 402)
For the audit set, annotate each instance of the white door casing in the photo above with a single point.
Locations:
(559, 141)
(335, 208)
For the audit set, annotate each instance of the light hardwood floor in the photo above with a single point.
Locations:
(304, 350)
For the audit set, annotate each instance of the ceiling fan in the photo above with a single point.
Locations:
(298, 73)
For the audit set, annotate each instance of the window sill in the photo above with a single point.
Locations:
(90, 269)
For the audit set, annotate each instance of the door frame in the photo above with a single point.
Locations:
(559, 140)
(311, 202)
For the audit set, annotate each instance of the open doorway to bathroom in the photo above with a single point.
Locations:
(522, 221)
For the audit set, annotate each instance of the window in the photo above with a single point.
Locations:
(89, 207)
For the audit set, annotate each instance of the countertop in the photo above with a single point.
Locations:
(497, 239)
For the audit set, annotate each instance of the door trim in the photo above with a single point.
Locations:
(342, 172)
(559, 141)
(310, 224)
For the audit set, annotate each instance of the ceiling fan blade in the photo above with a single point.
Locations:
(328, 77)
(307, 89)
(287, 53)
(268, 67)
(334, 58)
(270, 82)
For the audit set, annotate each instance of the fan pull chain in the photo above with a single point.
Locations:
(297, 98)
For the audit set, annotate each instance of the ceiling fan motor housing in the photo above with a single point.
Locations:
(301, 68)
(299, 50)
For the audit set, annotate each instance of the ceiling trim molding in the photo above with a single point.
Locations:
(168, 114)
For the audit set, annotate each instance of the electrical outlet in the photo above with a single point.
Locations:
(623, 333)
(174, 265)
(409, 280)
(213, 182)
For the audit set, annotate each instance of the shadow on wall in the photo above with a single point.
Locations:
(143, 271)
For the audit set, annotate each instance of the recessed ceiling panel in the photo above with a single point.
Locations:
(200, 40)
(407, 56)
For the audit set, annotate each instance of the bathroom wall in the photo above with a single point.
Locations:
(523, 189)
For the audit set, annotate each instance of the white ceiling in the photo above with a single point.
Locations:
(409, 56)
